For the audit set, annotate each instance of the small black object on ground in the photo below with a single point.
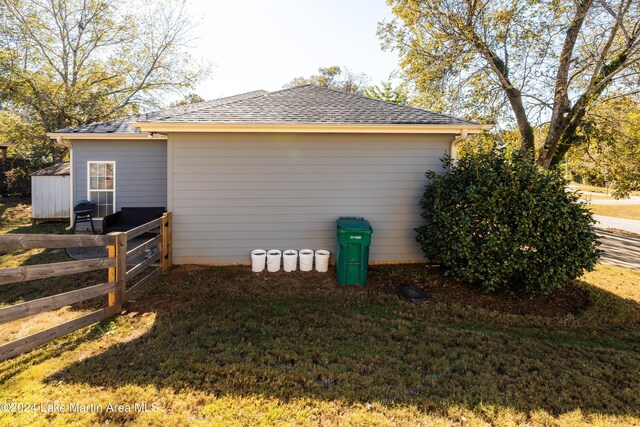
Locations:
(412, 293)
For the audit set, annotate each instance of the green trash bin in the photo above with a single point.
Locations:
(354, 239)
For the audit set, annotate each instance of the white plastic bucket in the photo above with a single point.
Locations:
(306, 260)
(258, 260)
(273, 260)
(290, 260)
(322, 261)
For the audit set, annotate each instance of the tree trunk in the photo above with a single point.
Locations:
(561, 116)
(527, 141)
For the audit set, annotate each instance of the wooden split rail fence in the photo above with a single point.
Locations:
(115, 287)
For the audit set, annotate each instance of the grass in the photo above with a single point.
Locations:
(617, 211)
(593, 197)
(224, 346)
(596, 189)
(15, 211)
(15, 217)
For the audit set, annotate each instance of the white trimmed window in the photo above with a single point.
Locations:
(102, 187)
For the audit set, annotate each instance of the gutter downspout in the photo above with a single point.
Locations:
(458, 139)
(59, 141)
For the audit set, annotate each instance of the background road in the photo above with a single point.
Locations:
(619, 251)
(630, 225)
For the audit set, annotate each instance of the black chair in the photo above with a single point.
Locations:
(82, 212)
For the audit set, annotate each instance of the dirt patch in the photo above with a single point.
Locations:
(187, 268)
(572, 299)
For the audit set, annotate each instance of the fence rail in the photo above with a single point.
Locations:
(45, 271)
(25, 309)
(115, 287)
(11, 242)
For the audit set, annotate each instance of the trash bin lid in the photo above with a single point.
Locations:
(353, 223)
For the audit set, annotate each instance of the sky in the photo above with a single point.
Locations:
(263, 44)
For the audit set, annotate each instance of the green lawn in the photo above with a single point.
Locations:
(227, 347)
(20, 292)
(596, 189)
(596, 197)
(617, 211)
(15, 211)
(224, 346)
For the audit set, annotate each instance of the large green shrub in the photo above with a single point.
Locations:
(18, 182)
(501, 223)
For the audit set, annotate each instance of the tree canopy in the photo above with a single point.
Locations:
(388, 93)
(334, 77)
(68, 62)
(609, 152)
(191, 98)
(532, 62)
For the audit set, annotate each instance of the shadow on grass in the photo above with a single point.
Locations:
(42, 228)
(26, 291)
(224, 331)
(14, 210)
(13, 367)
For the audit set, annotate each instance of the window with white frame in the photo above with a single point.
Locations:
(102, 187)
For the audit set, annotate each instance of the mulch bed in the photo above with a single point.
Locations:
(572, 299)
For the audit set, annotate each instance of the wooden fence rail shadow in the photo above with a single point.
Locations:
(158, 247)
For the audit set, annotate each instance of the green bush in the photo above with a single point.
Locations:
(501, 223)
(18, 182)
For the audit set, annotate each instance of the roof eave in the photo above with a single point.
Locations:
(310, 128)
(58, 136)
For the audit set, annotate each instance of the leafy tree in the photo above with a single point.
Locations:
(334, 78)
(20, 133)
(507, 140)
(609, 152)
(543, 61)
(68, 62)
(499, 222)
(192, 98)
(386, 92)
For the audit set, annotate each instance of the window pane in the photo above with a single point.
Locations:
(102, 178)
(107, 183)
(103, 201)
(93, 198)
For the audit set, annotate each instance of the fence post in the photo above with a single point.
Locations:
(118, 273)
(166, 259)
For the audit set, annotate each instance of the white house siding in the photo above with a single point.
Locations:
(50, 197)
(231, 193)
(141, 170)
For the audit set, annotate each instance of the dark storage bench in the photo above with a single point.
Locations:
(129, 218)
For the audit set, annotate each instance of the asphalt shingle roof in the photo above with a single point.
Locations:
(59, 169)
(124, 125)
(298, 105)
